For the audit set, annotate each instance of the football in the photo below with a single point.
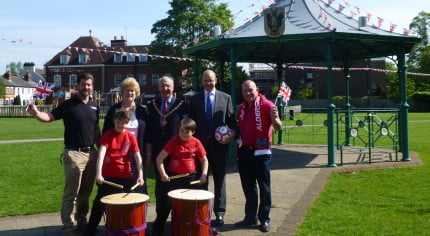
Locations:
(223, 134)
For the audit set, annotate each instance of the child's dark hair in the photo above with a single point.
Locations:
(122, 115)
(188, 124)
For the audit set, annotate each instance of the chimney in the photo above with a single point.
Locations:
(118, 42)
(27, 76)
(29, 66)
(8, 75)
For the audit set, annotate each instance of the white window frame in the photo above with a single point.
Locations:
(82, 58)
(155, 79)
(142, 79)
(117, 79)
(64, 59)
(131, 58)
(73, 80)
(117, 57)
(57, 80)
(143, 58)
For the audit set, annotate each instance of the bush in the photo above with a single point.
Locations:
(423, 97)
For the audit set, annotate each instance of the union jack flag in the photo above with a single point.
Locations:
(284, 93)
(43, 89)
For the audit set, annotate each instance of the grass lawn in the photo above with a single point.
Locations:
(379, 202)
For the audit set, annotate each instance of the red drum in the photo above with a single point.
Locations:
(125, 214)
(191, 212)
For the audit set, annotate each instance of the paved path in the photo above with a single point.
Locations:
(298, 174)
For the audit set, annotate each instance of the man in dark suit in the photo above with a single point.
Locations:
(165, 114)
(210, 109)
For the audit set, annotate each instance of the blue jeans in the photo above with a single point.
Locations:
(255, 170)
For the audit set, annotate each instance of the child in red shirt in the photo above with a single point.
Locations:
(184, 151)
(113, 164)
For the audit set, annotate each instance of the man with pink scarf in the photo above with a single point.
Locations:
(256, 116)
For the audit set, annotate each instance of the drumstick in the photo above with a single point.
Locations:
(134, 187)
(113, 184)
(179, 176)
(195, 182)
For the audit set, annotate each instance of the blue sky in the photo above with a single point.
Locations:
(51, 25)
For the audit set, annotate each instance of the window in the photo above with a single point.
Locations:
(130, 75)
(142, 79)
(82, 58)
(143, 58)
(130, 57)
(117, 80)
(73, 80)
(64, 59)
(57, 80)
(155, 78)
(117, 57)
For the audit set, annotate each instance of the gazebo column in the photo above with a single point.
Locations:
(330, 107)
(233, 69)
(196, 73)
(347, 105)
(404, 107)
(280, 105)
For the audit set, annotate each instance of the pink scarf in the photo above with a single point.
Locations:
(262, 130)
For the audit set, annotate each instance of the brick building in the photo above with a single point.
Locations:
(109, 65)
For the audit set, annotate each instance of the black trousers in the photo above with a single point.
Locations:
(103, 190)
(217, 158)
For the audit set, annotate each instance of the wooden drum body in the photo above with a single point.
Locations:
(125, 214)
(191, 212)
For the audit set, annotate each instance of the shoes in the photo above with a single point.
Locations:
(264, 227)
(215, 232)
(219, 221)
(246, 223)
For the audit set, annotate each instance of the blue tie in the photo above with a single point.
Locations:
(209, 109)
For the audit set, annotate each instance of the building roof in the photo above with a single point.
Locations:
(310, 27)
(310, 17)
(17, 81)
(96, 51)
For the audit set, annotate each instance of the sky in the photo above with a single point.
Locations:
(36, 30)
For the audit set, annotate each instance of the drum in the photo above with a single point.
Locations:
(191, 212)
(125, 213)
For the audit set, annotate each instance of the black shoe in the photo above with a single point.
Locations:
(264, 227)
(215, 232)
(219, 221)
(246, 223)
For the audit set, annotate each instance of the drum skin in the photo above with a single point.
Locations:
(191, 212)
(125, 214)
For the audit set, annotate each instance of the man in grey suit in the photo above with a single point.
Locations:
(210, 109)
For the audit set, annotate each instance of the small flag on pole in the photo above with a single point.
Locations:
(43, 89)
(284, 93)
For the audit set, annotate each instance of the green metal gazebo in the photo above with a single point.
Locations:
(314, 32)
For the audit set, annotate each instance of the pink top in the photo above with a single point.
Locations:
(247, 128)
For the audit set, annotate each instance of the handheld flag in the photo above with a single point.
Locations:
(43, 89)
(284, 93)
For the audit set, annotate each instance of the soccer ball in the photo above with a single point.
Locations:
(223, 134)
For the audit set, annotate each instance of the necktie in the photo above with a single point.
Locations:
(164, 111)
(209, 109)
(165, 106)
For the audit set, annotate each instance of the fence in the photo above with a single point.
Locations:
(19, 111)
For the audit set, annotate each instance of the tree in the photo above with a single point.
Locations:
(15, 67)
(186, 21)
(393, 90)
(419, 58)
(2, 89)
(17, 100)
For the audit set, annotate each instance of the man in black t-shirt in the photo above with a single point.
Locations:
(81, 131)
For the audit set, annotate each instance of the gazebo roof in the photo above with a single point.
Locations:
(309, 26)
